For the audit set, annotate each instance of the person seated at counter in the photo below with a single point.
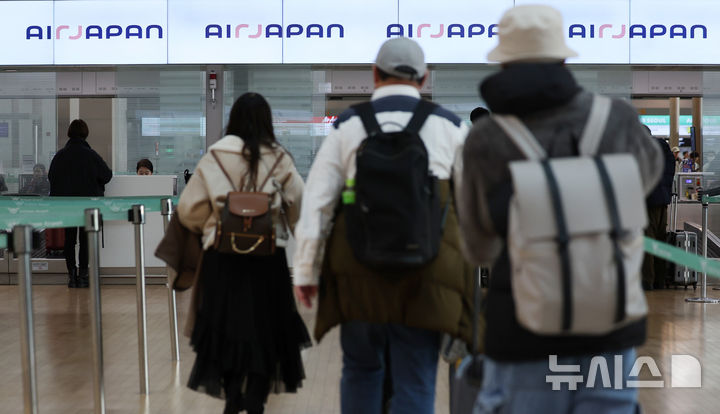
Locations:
(144, 167)
(39, 185)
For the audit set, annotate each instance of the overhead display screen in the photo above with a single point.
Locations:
(460, 31)
(329, 31)
(20, 22)
(110, 32)
(674, 32)
(117, 32)
(595, 29)
(225, 31)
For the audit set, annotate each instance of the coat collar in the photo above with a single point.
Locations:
(395, 90)
(234, 144)
(522, 89)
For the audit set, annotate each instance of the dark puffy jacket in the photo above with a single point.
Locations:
(662, 193)
(77, 170)
(436, 297)
(555, 109)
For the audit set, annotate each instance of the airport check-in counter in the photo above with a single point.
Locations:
(689, 209)
(117, 253)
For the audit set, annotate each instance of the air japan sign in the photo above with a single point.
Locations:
(132, 31)
(78, 32)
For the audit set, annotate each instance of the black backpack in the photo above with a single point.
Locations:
(395, 221)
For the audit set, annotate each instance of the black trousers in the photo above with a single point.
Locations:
(71, 239)
(654, 269)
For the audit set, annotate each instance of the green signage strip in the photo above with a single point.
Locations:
(681, 257)
(711, 200)
(683, 120)
(56, 212)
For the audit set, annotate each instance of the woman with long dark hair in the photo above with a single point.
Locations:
(247, 333)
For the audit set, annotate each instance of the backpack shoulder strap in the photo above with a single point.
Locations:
(367, 115)
(420, 114)
(520, 136)
(270, 173)
(217, 159)
(595, 125)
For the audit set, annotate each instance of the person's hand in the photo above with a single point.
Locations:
(305, 294)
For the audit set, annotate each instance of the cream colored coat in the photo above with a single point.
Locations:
(204, 196)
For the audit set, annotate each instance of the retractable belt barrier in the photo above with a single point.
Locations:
(679, 256)
(22, 214)
(58, 212)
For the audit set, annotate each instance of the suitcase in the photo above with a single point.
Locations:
(679, 275)
(54, 242)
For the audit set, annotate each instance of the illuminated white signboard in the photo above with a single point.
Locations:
(329, 31)
(16, 19)
(458, 31)
(596, 29)
(110, 32)
(225, 31)
(675, 32)
(81, 32)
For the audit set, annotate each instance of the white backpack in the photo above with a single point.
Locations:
(575, 234)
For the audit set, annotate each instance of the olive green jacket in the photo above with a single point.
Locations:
(437, 297)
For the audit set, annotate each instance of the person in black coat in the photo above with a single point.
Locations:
(654, 268)
(77, 170)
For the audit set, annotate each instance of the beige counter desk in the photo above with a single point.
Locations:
(117, 257)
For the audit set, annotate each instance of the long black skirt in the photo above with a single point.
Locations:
(248, 334)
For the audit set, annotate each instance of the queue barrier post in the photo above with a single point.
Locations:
(93, 224)
(704, 298)
(22, 245)
(167, 211)
(136, 215)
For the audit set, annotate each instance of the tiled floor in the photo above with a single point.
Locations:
(64, 358)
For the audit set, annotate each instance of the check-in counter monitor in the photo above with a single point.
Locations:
(117, 257)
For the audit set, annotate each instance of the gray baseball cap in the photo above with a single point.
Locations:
(402, 57)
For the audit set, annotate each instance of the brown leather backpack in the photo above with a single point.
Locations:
(246, 223)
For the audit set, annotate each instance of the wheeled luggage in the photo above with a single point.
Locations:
(682, 275)
(54, 242)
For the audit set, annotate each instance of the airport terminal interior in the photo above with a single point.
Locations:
(170, 113)
(160, 114)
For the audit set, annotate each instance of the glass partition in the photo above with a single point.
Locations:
(28, 138)
(614, 81)
(297, 99)
(158, 115)
(27, 131)
(457, 88)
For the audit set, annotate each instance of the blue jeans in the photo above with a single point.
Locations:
(413, 367)
(522, 387)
